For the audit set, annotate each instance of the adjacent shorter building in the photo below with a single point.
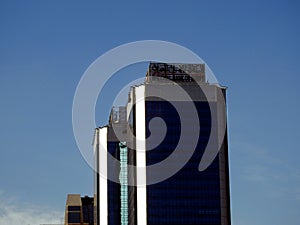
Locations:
(79, 210)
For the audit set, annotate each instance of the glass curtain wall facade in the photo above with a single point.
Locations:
(189, 197)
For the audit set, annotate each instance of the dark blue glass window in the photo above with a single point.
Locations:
(74, 217)
(114, 216)
(189, 197)
(73, 208)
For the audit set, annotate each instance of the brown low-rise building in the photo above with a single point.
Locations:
(79, 210)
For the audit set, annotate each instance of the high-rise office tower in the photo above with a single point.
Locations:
(172, 121)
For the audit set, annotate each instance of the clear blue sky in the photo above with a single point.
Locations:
(252, 47)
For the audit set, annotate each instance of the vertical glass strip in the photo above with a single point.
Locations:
(123, 177)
